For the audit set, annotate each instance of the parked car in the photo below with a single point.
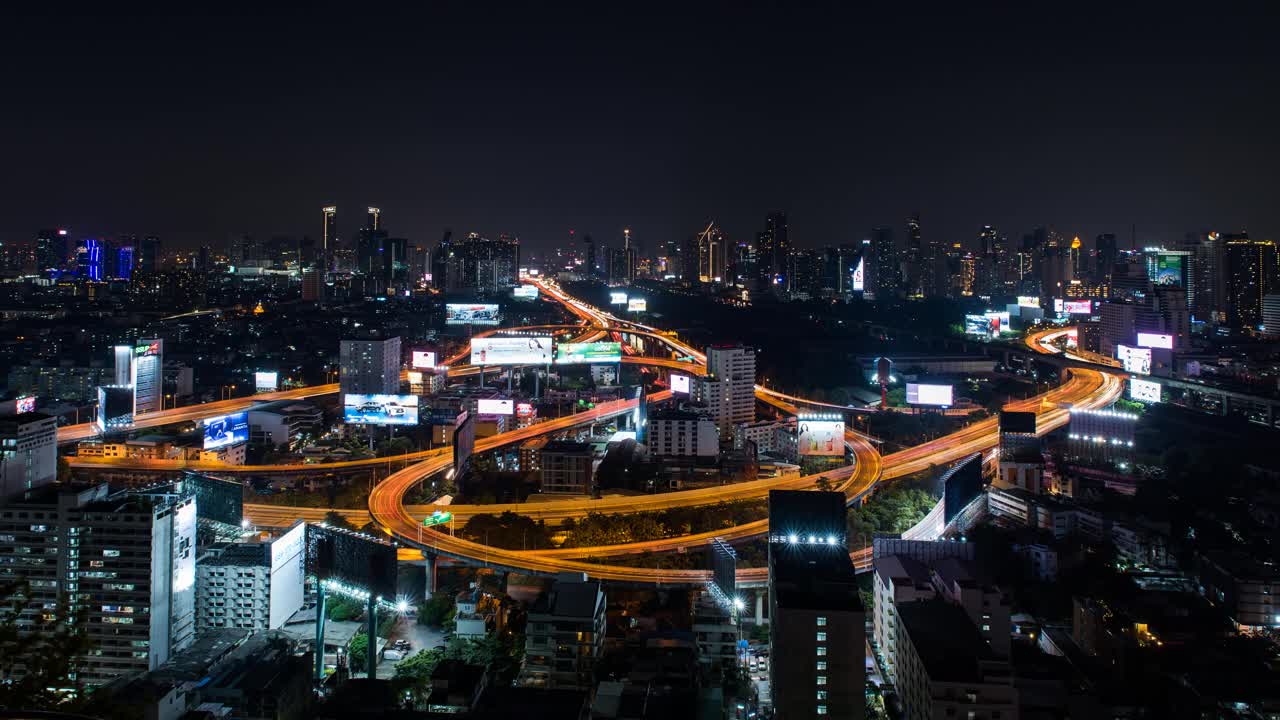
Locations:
(392, 655)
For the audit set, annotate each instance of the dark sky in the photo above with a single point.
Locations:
(595, 117)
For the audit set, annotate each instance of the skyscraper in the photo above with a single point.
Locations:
(141, 366)
(148, 254)
(373, 218)
(369, 366)
(728, 390)
(887, 273)
(1209, 273)
(711, 254)
(772, 247)
(330, 236)
(1251, 267)
(51, 250)
(913, 260)
(1105, 255)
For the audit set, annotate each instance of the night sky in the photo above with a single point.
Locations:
(597, 117)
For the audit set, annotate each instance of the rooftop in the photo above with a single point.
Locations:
(570, 599)
(946, 640)
(239, 554)
(813, 577)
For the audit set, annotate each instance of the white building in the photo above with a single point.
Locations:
(284, 422)
(142, 366)
(565, 634)
(128, 560)
(28, 452)
(715, 631)
(728, 389)
(471, 624)
(678, 433)
(769, 435)
(897, 579)
(370, 367)
(250, 586)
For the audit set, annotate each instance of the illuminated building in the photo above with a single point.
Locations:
(369, 366)
(373, 218)
(968, 275)
(678, 433)
(817, 634)
(772, 247)
(566, 467)
(252, 586)
(886, 278)
(712, 265)
(1104, 257)
(1209, 280)
(312, 284)
(1271, 314)
(127, 560)
(51, 250)
(28, 452)
(329, 238)
(728, 389)
(1251, 268)
(142, 366)
(946, 668)
(1101, 434)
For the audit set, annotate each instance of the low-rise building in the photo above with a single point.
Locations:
(715, 630)
(566, 467)
(565, 634)
(683, 434)
(1247, 589)
(251, 586)
(285, 422)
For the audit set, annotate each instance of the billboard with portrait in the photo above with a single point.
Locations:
(25, 404)
(1077, 307)
(1134, 360)
(1144, 390)
(596, 352)
(470, 314)
(225, 430)
(422, 360)
(1155, 340)
(379, 409)
(922, 394)
(821, 436)
(637, 305)
(980, 326)
(495, 407)
(526, 410)
(679, 383)
(529, 350)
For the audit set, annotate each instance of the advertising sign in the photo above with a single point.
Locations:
(470, 314)
(532, 350)
(1134, 360)
(525, 410)
(860, 275)
(979, 325)
(225, 430)
(596, 352)
(1167, 270)
(415, 377)
(147, 350)
(1144, 390)
(288, 556)
(495, 407)
(25, 404)
(266, 381)
(1028, 301)
(380, 409)
(1077, 307)
(525, 292)
(637, 305)
(1154, 340)
(920, 394)
(821, 436)
(617, 298)
(999, 321)
(422, 360)
(1073, 338)
(679, 383)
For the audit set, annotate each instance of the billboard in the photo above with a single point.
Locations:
(25, 404)
(151, 349)
(353, 559)
(1028, 301)
(981, 325)
(224, 430)
(1144, 390)
(617, 298)
(380, 409)
(495, 407)
(679, 383)
(1134, 360)
(921, 394)
(821, 436)
(637, 305)
(470, 314)
(532, 350)
(1155, 340)
(860, 275)
(1076, 307)
(525, 292)
(1166, 269)
(526, 410)
(422, 360)
(287, 575)
(217, 499)
(266, 381)
(596, 352)
(1073, 338)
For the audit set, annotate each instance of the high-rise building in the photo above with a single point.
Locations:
(141, 365)
(148, 254)
(253, 586)
(887, 272)
(28, 452)
(312, 284)
(370, 366)
(681, 433)
(773, 246)
(1105, 255)
(913, 259)
(329, 236)
(373, 219)
(1251, 268)
(127, 560)
(51, 250)
(728, 389)
(817, 634)
(939, 651)
(712, 262)
(1209, 272)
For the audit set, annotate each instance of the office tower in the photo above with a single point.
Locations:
(369, 366)
(565, 634)
(773, 246)
(817, 636)
(804, 273)
(90, 256)
(1271, 314)
(126, 559)
(126, 259)
(913, 260)
(1209, 273)
(142, 366)
(312, 284)
(51, 250)
(711, 254)
(148, 254)
(728, 389)
(933, 268)
(590, 244)
(1251, 267)
(28, 452)
(440, 261)
(373, 220)
(1105, 256)
(887, 273)
(620, 267)
(329, 236)
(253, 586)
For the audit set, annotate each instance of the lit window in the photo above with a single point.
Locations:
(822, 679)
(822, 651)
(822, 637)
(986, 628)
(822, 622)
(822, 694)
(822, 664)
(822, 709)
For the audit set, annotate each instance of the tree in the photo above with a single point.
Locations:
(824, 484)
(337, 520)
(64, 470)
(436, 610)
(356, 652)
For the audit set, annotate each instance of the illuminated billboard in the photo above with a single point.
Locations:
(151, 349)
(1166, 268)
(224, 430)
(1134, 360)
(532, 350)
(25, 404)
(1155, 340)
(860, 275)
(1073, 338)
(637, 305)
(1028, 301)
(352, 559)
(980, 325)
(288, 560)
(821, 435)
(470, 314)
(679, 383)
(596, 352)
(495, 407)
(379, 409)
(1144, 390)
(115, 407)
(422, 359)
(526, 410)
(1077, 307)
(266, 381)
(617, 298)
(999, 321)
(525, 292)
(921, 394)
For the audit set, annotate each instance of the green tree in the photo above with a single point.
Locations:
(336, 519)
(436, 610)
(356, 652)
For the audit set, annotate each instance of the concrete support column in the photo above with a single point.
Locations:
(371, 654)
(431, 573)
(320, 613)
(759, 607)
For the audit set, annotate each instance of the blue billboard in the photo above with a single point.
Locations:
(380, 409)
(225, 430)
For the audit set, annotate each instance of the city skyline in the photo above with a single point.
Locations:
(570, 121)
